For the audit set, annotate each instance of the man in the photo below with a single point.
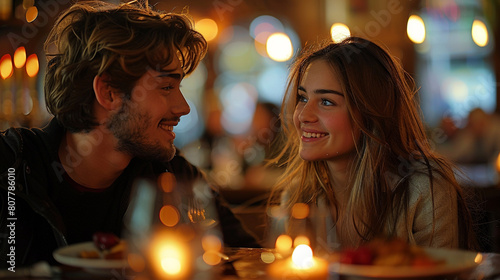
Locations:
(113, 88)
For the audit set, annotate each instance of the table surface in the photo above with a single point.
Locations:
(246, 263)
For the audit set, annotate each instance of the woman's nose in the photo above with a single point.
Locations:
(308, 113)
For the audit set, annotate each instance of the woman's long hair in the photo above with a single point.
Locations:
(380, 98)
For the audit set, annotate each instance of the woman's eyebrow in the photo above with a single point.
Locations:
(321, 91)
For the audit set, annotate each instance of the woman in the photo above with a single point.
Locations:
(354, 138)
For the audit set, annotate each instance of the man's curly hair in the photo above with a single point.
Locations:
(122, 41)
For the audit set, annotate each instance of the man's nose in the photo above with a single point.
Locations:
(180, 106)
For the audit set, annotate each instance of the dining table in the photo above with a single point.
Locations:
(240, 263)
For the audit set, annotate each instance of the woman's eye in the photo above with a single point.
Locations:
(301, 98)
(327, 102)
(168, 87)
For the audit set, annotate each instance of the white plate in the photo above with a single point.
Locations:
(69, 255)
(455, 262)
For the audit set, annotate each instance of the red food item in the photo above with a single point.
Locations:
(347, 256)
(364, 256)
(361, 256)
(105, 240)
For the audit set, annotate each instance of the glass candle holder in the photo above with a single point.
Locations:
(172, 230)
(302, 223)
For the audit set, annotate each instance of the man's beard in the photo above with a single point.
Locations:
(130, 128)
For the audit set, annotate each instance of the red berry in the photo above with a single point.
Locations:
(105, 240)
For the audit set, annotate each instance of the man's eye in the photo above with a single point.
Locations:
(168, 87)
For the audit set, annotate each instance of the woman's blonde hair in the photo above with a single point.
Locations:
(380, 98)
(123, 41)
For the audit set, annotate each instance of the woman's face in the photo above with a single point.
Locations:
(321, 116)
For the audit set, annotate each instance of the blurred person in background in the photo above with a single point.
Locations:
(262, 144)
(113, 88)
(477, 143)
(237, 161)
(355, 142)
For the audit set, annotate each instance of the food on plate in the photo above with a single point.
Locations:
(108, 246)
(105, 240)
(388, 252)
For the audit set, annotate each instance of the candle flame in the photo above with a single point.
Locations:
(6, 68)
(171, 265)
(32, 65)
(169, 255)
(20, 57)
(302, 257)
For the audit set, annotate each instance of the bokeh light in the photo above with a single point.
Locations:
(167, 181)
(169, 256)
(238, 101)
(479, 33)
(171, 260)
(300, 210)
(497, 165)
(5, 9)
(271, 83)
(283, 243)
(6, 68)
(32, 65)
(211, 243)
(279, 47)
(265, 24)
(339, 32)
(31, 14)
(267, 257)
(20, 57)
(301, 240)
(211, 258)
(455, 90)
(302, 257)
(416, 29)
(169, 215)
(208, 28)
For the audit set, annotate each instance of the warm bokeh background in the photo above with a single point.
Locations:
(235, 94)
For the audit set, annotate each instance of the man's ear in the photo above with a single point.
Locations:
(107, 96)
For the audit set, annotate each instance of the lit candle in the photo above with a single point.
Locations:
(301, 265)
(170, 257)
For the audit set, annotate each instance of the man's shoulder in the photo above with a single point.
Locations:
(12, 142)
(17, 142)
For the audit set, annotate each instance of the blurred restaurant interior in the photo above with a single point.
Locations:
(449, 46)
